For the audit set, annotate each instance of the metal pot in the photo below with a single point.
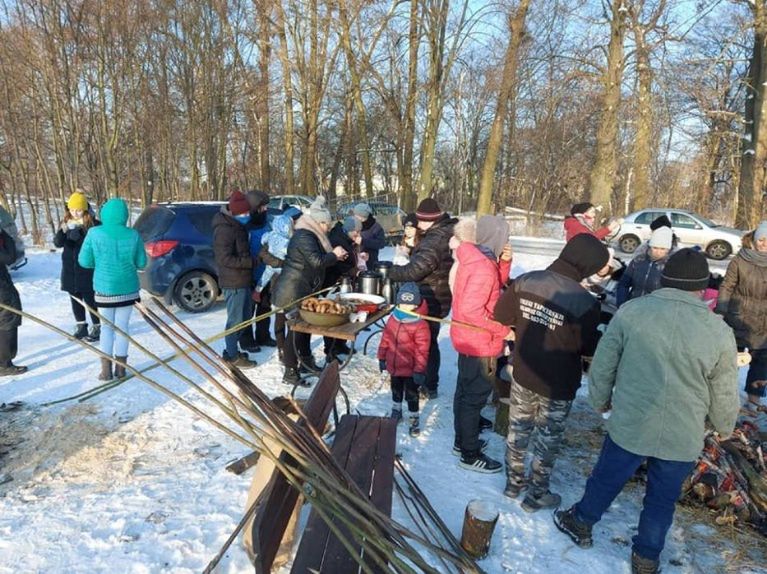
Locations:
(383, 267)
(369, 282)
(387, 291)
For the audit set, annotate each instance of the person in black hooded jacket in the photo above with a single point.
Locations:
(429, 268)
(9, 321)
(555, 321)
(303, 273)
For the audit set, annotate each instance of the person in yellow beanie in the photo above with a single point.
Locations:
(77, 280)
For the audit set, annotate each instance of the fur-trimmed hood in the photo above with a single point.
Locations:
(465, 230)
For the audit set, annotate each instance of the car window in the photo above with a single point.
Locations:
(202, 220)
(683, 221)
(647, 217)
(300, 201)
(275, 202)
(153, 222)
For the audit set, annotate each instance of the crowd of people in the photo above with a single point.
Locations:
(662, 368)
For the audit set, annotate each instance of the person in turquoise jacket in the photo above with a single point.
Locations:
(115, 252)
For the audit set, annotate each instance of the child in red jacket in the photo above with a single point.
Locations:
(404, 352)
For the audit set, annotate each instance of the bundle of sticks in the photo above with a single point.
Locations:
(731, 477)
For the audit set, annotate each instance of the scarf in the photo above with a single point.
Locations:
(403, 317)
(754, 257)
(310, 224)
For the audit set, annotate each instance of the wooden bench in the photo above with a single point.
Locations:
(365, 447)
(278, 499)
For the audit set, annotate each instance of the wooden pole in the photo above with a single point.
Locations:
(478, 524)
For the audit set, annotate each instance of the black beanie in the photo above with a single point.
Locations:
(586, 254)
(581, 208)
(428, 210)
(687, 269)
(658, 222)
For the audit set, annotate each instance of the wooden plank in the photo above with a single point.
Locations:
(279, 497)
(383, 481)
(359, 465)
(347, 331)
(314, 541)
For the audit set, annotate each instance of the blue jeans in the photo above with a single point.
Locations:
(111, 341)
(664, 484)
(238, 303)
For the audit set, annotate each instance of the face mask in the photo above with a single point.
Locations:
(244, 218)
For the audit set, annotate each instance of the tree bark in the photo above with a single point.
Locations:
(506, 94)
(602, 176)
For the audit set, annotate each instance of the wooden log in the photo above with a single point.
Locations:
(242, 464)
(478, 525)
(502, 417)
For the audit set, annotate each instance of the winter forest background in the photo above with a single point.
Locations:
(527, 103)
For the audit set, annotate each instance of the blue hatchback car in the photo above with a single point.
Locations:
(178, 238)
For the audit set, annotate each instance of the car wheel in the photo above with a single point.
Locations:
(718, 250)
(196, 292)
(629, 243)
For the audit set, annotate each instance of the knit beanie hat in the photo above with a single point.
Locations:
(408, 294)
(410, 220)
(362, 210)
(662, 238)
(586, 254)
(319, 212)
(687, 269)
(581, 208)
(77, 201)
(658, 222)
(760, 231)
(428, 210)
(493, 233)
(238, 204)
(351, 223)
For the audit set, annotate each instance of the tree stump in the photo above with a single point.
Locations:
(502, 417)
(478, 525)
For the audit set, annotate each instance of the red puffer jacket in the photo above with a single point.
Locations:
(405, 345)
(574, 226)
(477, 289)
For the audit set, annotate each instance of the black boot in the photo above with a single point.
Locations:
(120, 369)
(579, 532)
(292, 378)
(106, 369)
(94, 334)
(640, 565)
(11, 369)
(308, 365)
(81, 331)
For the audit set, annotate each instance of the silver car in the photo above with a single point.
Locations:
(717, 241)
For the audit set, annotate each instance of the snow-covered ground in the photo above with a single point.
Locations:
(132, 482)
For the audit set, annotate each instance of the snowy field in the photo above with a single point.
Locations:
(131, 482)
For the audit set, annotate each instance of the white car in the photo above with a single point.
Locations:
(717, 241)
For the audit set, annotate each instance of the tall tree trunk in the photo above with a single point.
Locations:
(506, 94)
(644, 127)
(265, 53)
(287, 86)
(408, 127)
(752, 174)
(359, 105)
(602, 176)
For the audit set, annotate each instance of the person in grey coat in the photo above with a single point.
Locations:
(665, 365)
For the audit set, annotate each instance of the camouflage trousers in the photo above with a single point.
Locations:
(535, 418)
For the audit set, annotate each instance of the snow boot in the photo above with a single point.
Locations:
(415, 426)
(579, 532)
(640, 565)
(241, 361)
(479, 462)
(293, 378)
(11, 369)
(81, 330)
(396, 414)
(94, 334)
(513, 490)
(120, 369)
(106, 369)
(533, 503)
